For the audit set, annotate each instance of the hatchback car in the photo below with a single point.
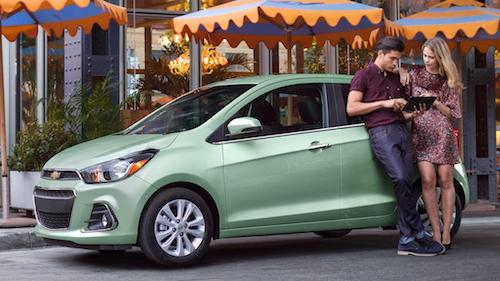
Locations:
(250, 156)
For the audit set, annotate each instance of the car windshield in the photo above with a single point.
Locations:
(188, 111)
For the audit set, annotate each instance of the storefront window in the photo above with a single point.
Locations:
(352, 60)
(314, 59)
(151, 48)
(165, 5)
(27, 80)
(224, 62)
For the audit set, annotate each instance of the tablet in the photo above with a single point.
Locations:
(413, 102)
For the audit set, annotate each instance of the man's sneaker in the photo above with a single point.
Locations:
(431, 244)
(415, 249)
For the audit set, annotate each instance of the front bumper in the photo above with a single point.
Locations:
(66, 218)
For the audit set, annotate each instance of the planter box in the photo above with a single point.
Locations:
(22, 185)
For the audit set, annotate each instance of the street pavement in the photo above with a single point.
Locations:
(362, 255)
(17, 236)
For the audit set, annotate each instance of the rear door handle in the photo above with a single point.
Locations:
(317, 145)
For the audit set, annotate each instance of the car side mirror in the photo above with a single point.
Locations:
(244, 125)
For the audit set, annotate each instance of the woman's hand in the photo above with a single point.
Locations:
(404, 76)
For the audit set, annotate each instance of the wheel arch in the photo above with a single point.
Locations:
(198, 190)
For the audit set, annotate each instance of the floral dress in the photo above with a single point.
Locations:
(432, 135)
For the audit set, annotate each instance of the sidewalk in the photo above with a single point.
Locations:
(17, 232)
(23, 237)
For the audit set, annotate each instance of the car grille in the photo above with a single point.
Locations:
(61, 175)
(54, 221)
(53, 207)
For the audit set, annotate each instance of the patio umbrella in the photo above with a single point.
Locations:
(463, 23)
(24, 16)
(286, 21)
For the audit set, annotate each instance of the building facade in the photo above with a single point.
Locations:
(148, 64)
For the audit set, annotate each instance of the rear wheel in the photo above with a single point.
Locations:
(456, 216)
(176, 227)
(333, 233)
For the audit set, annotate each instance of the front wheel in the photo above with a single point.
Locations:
(176, 227)
(456, 216)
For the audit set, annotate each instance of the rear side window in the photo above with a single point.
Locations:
(339, 97)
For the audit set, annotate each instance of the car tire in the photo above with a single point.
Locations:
(174, 238)
(333, 233)
(456, 215)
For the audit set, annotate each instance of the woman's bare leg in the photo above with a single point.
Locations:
(428, 175)
(445, 173)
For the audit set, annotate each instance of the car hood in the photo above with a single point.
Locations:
(106, 148)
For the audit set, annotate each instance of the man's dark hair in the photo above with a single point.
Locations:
(388, 44)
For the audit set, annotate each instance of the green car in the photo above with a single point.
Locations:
(250, 156)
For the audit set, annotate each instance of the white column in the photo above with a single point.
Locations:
(195, 79)
(41, 74)
(9, 76)
(332, 58)
(265, 60)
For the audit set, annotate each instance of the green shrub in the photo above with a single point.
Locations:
(36, 144)
(90, 111)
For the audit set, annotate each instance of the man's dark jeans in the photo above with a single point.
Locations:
(392, 145)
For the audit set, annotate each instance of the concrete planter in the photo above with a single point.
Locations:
(22, 185)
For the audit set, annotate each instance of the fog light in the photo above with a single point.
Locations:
(101, 218)
(104, 221)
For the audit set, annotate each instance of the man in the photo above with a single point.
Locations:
(377, 94)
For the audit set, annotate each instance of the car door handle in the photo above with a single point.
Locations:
(316, 145)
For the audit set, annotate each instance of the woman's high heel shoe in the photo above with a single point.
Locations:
(446, 246)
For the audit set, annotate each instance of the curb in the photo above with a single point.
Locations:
(20, 238)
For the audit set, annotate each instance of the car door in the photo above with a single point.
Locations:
(366, 189)
(288, 175)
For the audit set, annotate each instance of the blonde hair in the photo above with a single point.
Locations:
(447, 67)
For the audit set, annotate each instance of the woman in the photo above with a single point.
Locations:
(433, 140)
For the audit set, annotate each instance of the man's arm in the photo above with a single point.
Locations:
(356, 107)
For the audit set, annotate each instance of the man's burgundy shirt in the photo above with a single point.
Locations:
(376, 86)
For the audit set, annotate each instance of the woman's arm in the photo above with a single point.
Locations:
(446, 111)
(449, 104)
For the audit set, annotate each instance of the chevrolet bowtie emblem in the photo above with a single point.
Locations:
(55, 175)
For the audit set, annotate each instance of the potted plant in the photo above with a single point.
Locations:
(88, 114)
(36, 144)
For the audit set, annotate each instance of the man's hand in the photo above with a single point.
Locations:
(395, 104)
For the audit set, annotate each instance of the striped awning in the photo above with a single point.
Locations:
(54, 16)
(462, 22)
(285, 21)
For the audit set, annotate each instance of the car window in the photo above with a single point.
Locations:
(288, 109)
(188, 111)
(340, 93)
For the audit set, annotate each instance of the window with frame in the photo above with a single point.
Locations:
(339, 97)
(288, 109)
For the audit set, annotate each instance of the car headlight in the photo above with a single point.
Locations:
(117, 169)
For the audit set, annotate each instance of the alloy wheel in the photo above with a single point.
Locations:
(179, 227)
